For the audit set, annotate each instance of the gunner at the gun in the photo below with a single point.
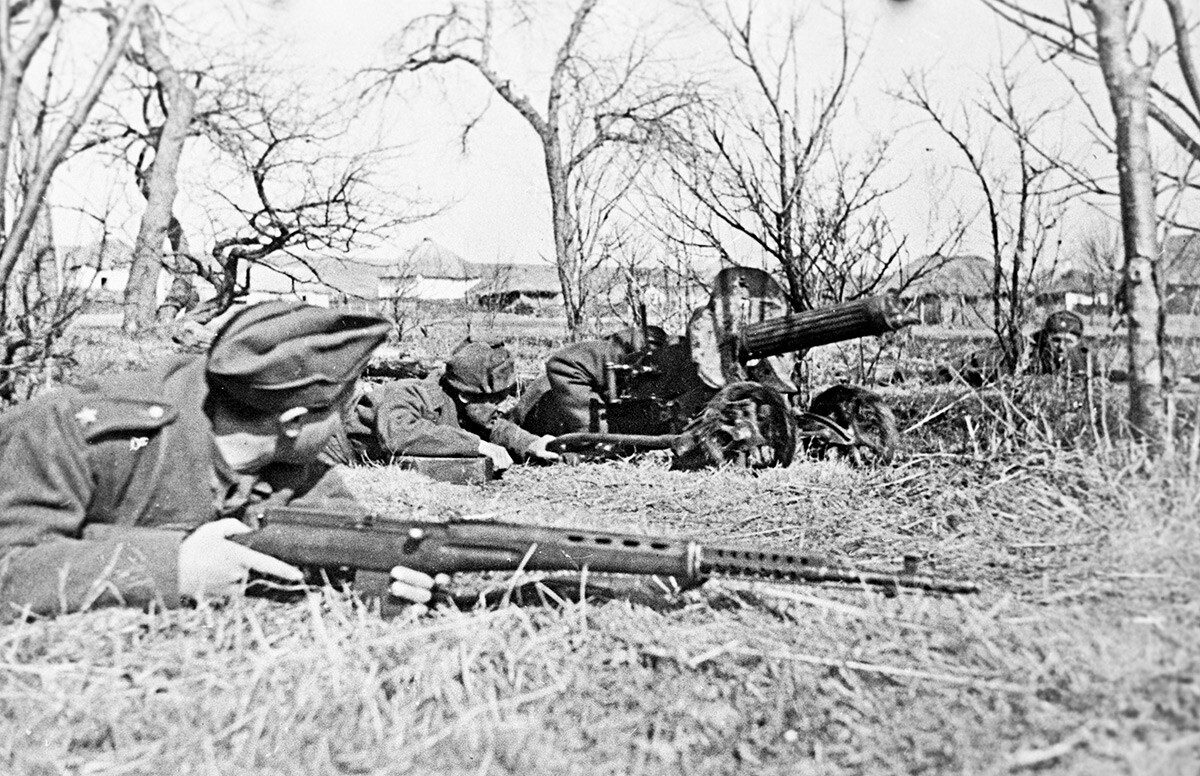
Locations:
(455, 412)
(1056, 348)
(127, 489)
(577, 378)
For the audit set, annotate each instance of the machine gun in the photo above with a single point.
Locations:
(744, 344)
(370, 546)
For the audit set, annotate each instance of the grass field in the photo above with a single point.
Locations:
(1078, 657)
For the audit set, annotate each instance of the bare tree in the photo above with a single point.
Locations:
(764, 165)
(15, 58)
(1100, 259)
(274, 167)
(1018, 180)
(591, 103)
(1102, 35)
(175, 100)
(301, 197)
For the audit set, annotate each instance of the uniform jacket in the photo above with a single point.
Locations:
(418, 417)
(561, 401)
(99, 485)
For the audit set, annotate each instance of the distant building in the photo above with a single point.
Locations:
(517, 288)
(101, 268)
(1077, 290)
(323, 281)
(955, 291)
(429, 271)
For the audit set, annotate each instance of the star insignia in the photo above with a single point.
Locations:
(86, 415)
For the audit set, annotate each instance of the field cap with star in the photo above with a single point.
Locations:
(481, 367)
(1063, 321)
(274, 356)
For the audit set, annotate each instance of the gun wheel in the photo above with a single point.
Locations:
(745, 424)
(849, 421)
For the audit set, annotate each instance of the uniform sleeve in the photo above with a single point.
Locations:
(512, 437)
(499, 430)
(49, 562)
(407, 415)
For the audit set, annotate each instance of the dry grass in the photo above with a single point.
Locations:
(1078, 657)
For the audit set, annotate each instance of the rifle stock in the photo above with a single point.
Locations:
(364, 542)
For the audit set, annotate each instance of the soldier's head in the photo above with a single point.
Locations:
(1062, 332)
(480, 373)
(280, 375)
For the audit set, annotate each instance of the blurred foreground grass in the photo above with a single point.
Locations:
(1079, 656)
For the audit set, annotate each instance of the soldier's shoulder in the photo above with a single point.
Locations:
(136, 402)
(87, 413)
(99, 415)
(589, 352)
(406, 389)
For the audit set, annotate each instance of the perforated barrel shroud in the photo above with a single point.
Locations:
(754, 563)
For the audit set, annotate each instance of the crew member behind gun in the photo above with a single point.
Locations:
(1056, 348)
(455, 412)
(125, 490)
(561, 401)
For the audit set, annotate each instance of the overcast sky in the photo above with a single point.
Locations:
(498, 185)
(496, 188)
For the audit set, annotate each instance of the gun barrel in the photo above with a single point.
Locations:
(812, 328)
(795, 567)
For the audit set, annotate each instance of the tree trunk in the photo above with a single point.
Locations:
(566, 247)
(1127, 89)
(10, 90)
(141, 295)
(14, 62)
(39, 247)
(182, 294)
(23, 223)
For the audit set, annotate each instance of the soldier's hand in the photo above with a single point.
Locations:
(538, 449)
(501, 460)
(211, 566)
(413, 585)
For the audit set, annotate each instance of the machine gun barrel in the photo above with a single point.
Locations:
(812, 328)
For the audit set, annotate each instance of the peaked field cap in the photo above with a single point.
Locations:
(274, 356)
(1064, 321)
(481, 367)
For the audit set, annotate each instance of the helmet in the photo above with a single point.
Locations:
(480, 367)
(1063, 321)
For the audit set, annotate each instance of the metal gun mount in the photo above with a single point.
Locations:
(745, 344)
(747, 424)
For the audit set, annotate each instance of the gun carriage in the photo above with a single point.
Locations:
(745, 345)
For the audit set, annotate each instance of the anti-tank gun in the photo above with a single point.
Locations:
(738, 408)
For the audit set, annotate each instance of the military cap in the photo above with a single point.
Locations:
(1063, 321)
(480, 367)
(277, 355)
